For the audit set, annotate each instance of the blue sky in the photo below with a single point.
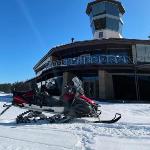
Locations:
(30, 28)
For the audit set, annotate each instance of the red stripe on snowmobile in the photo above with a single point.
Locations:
(88, 100)
(29, 94)
(19, 100)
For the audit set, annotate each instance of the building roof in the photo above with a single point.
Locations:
(120, 6)
(90, 43)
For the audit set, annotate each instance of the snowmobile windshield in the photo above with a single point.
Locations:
(51, 84)
(78, 84)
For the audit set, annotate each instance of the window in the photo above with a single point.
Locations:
(120, 59)
(64, 62)
(58, 62)
(120, 27)
(103, 59)
(100, 23)
(104, 8)
(111, 59)
(54, 64)
(87, 59)
(81, 60)
(95, 59)
(50, 64)
(100, 34)
(93, 27)
(143, 53)
(111, 9)
(112, 24)
(69, 61)
(108, 23)
(98, 8)
(75, 61)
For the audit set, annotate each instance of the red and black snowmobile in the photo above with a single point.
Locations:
(72, 104)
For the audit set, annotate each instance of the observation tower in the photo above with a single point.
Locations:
(106, 18)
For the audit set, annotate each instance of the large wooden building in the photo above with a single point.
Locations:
(111, 67)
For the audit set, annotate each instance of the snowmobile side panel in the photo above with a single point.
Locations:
(43, 108)
(18, 100)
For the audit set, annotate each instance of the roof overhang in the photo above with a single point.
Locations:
(89, 43)
(121, 8)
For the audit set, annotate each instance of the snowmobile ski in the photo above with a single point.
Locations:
(115, 119)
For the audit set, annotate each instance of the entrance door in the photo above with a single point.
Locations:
(124, 87)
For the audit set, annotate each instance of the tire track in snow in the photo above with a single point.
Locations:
(51, 138)
(33, 142)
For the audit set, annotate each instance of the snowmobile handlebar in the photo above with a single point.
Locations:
(5, 105)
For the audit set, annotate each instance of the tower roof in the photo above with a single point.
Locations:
(121, 8)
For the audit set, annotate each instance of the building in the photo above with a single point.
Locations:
(110, 66)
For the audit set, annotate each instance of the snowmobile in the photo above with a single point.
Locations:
(72, 104)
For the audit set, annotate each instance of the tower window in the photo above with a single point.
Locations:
(105, 8)
(108, 23)
(100, 23)
(112, 9)
(112, 24)
(98, 8)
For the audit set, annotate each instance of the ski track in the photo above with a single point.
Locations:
(38, 137)
(50, 138)
(32, 142)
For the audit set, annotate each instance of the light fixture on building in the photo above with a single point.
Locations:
(72, 40)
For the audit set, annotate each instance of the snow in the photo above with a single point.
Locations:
(131, 132)
(5, 94)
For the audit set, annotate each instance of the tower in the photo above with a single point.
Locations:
(106, 18)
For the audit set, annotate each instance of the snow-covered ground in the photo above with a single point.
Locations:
(132, 132)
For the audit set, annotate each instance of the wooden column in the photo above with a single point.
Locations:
(106, 90)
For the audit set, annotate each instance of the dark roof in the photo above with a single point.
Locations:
(82, 69)
(88, 43)
(121, 8)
